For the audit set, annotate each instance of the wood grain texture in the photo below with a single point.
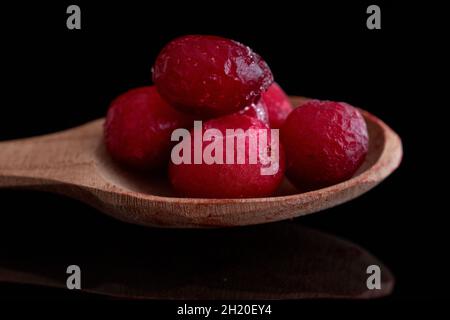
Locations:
(75, 163)
(278, 261)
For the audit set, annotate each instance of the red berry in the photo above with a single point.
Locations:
(257, 110)
(325, 143)
(138, 127)
(226, 180)
(278, 105)
(210, 76)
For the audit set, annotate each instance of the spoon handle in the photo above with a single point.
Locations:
(47, 159)
(20, 160)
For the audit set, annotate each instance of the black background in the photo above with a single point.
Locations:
(54, 78)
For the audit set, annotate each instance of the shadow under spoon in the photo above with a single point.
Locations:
(278, 261)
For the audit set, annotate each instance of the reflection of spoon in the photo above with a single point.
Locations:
(278, 261)
(74, 163)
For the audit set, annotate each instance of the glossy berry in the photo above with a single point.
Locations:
(257, 110)
(210, 76)
(325, 143)
(278, 105)
(228, 180)
(138, 127)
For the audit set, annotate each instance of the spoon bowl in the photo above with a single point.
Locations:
(75, 163)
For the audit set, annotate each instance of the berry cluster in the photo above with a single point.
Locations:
(228, 86)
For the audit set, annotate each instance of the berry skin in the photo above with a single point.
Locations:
(325, 143)
(257, 110)
(138, 127)
(278, 105)
(210, 76)
(227, 180)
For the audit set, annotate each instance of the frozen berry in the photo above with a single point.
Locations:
(138, 127)
(234, 178)
(325, 143)
(278, 105)
(210, 76)
(257, 110)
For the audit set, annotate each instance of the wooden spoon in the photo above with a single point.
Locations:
(74, 163)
